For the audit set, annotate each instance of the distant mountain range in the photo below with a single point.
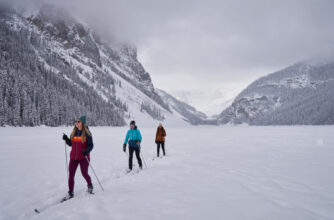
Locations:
(302, 94)
(54, 68)
(187, 112)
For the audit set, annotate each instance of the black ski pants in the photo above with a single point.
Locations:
(131, 151)
(162, 144)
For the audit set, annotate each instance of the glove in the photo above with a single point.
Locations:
(156, 142)
(65, 138)
(162, 135)
(85, 152)
(124, 147)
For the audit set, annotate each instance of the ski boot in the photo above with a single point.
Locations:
(90, 189)
(69, 196)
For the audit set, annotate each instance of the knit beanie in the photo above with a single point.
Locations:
(83, 119)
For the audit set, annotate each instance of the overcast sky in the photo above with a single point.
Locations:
(205, 52)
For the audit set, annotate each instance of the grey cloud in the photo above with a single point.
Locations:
(213, 36)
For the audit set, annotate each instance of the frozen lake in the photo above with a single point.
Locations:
(236, 172)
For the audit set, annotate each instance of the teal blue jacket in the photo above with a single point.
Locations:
(134, 136)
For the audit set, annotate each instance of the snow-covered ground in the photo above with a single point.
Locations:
(236, 172)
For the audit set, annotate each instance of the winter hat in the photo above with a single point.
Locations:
(83, 119)
(132, 123)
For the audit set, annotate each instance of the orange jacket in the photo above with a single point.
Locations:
(160, 135)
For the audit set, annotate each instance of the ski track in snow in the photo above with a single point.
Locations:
(231, 172)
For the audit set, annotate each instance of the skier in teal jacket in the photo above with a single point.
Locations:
(133, 137)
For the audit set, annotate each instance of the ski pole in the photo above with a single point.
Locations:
(94, 173)
(143, 160)
(66, 159)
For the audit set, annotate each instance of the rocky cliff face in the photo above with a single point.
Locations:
(54, 68)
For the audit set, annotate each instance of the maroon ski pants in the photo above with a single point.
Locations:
(84, 171)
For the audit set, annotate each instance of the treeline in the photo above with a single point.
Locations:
(153, 111)
(310, 107)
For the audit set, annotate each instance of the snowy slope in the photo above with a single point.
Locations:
(187, 112)
(269, 173)
(299, 94)
(58, 53)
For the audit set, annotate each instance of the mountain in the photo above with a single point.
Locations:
(301, 94)
(187, 112)
(54, 68)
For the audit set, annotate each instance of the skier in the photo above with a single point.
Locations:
(134, 137)
(160, 139)
(82, 144)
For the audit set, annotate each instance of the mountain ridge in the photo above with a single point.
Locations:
(297, 95)
(53, 58)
